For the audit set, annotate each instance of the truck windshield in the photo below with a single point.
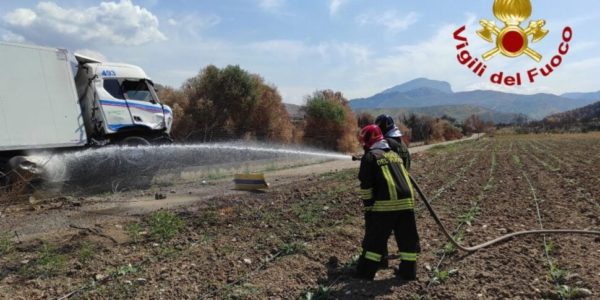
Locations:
(139, 90)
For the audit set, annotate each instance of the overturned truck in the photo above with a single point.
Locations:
(52, 100)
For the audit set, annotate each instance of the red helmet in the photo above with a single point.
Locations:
(370, 135)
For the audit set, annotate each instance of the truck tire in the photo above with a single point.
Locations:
(162, 140)
(4, 182)
(134, 141)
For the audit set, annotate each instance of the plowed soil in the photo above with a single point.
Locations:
(300, 239)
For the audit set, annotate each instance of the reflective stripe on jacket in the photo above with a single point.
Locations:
(384, 182)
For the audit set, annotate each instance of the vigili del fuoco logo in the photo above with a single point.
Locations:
(512, 40)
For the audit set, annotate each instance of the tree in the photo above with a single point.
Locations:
(220, 102)
(420, 127)
(365, 119)
(270, 120)
(452, 132)
(330, 123)
(473, 124)
(178, 102)
(448, 118)
(229, 103)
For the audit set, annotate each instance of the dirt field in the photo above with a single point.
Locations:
(300, 239)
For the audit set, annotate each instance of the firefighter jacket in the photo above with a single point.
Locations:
(384, 182)
(398, 146)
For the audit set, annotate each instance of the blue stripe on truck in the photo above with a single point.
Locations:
(135, 105)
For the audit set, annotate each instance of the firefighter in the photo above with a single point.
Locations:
(388, 200)
(393, 136)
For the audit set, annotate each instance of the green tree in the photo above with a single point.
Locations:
(228, 103)
(330, 123)
(178, 102)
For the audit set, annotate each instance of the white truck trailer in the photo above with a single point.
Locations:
(53, 100)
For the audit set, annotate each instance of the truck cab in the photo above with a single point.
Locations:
(120, 105)
(52, 100)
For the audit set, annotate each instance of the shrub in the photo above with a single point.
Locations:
(228, 103)
(48, 263)
(6, 244)
(164, 225)
(330, 123)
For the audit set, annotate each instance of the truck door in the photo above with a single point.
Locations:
(130, 103)
(143, 103)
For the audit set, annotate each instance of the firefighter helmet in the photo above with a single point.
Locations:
(387, 126)
(370, 135)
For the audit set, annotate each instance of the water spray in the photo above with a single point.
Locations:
(104, 168)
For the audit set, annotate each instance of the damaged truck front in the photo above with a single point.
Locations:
(52, 101)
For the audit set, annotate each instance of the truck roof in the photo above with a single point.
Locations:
(31, 46)
(118, 70)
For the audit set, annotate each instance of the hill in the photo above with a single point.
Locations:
(459, 112)
(420, 83)
(583, 119)
(428, 93)
(589, 113)
(587, 96)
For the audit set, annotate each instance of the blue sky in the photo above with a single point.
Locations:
(359, 47)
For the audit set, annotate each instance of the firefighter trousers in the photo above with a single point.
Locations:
(378, 228)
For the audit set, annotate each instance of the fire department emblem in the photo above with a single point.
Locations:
(512, 40)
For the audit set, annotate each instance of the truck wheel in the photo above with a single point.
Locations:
(4, 182)
(134, 141)
(162, 140)
(131, 159)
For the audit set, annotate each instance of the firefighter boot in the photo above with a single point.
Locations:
(385, 262)
(407, 271)
(366, 269)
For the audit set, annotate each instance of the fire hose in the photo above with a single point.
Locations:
(498, 239)
(493, 241)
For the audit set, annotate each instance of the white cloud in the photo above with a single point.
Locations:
(116, 23)
(293, 50)
(335, 5)
(13, 38)
(287, 48)
(392, 20)
(326, 64)
(434, 58)
(271, 5)
(20, 17)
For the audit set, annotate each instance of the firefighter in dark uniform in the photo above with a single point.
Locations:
(388, 200)
(393, 136)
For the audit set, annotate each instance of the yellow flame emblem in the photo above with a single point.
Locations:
(512, 40)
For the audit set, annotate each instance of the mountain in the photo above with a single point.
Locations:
(583, 119)
(459, 112)
(420, 83)
(589, 113)
(588, 96)
(427, 93)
